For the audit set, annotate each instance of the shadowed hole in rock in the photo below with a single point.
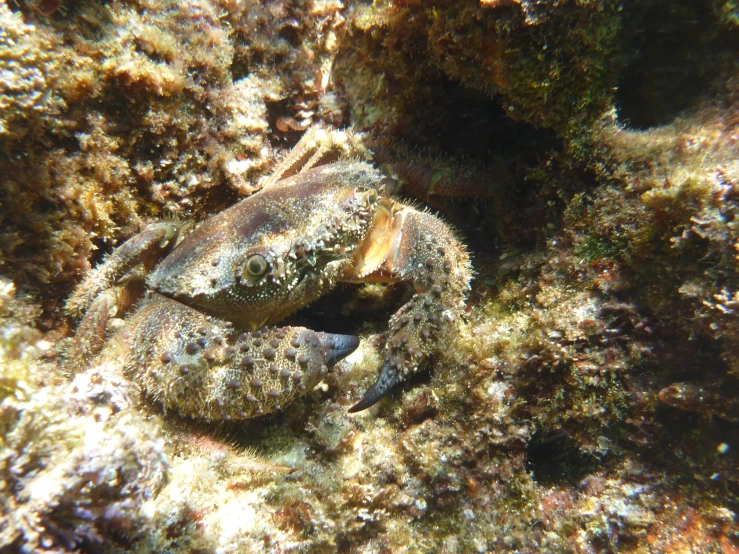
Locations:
(674, 53)
(555, 458)
(469, 124)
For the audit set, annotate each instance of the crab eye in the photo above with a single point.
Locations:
(256, 266)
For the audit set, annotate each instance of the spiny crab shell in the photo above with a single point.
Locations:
(197, 341)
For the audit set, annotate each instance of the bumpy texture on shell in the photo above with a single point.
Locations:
(193, 343)
(201, 367)
(429, 256)
(305, 228)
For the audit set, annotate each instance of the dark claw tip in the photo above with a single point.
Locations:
(388, 379)
(337, 347)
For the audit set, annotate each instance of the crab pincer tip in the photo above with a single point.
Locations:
(388, 378)
(337, 347)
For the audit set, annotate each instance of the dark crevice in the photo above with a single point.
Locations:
(676, 52)
(465, 123)
(467, 135)
(555, 458)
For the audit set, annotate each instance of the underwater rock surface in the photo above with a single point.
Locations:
(586, 151)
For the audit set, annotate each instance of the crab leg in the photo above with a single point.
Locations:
(203, 368)
(144, 249)
(115, 285)
(424, 251)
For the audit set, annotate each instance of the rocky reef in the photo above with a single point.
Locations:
(587, 152)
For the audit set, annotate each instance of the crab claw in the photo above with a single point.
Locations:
(388, 378)
(337, 347)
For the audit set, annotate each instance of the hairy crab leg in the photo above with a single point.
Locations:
(114, 286)
(143, 249)
(203, 368)
(425, 252)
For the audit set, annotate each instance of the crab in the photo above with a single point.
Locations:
(202, 334)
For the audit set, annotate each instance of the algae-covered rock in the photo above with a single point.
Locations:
(589, 402)
(114, 113)
(77, 462)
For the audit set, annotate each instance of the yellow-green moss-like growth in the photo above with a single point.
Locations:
(553, 65)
